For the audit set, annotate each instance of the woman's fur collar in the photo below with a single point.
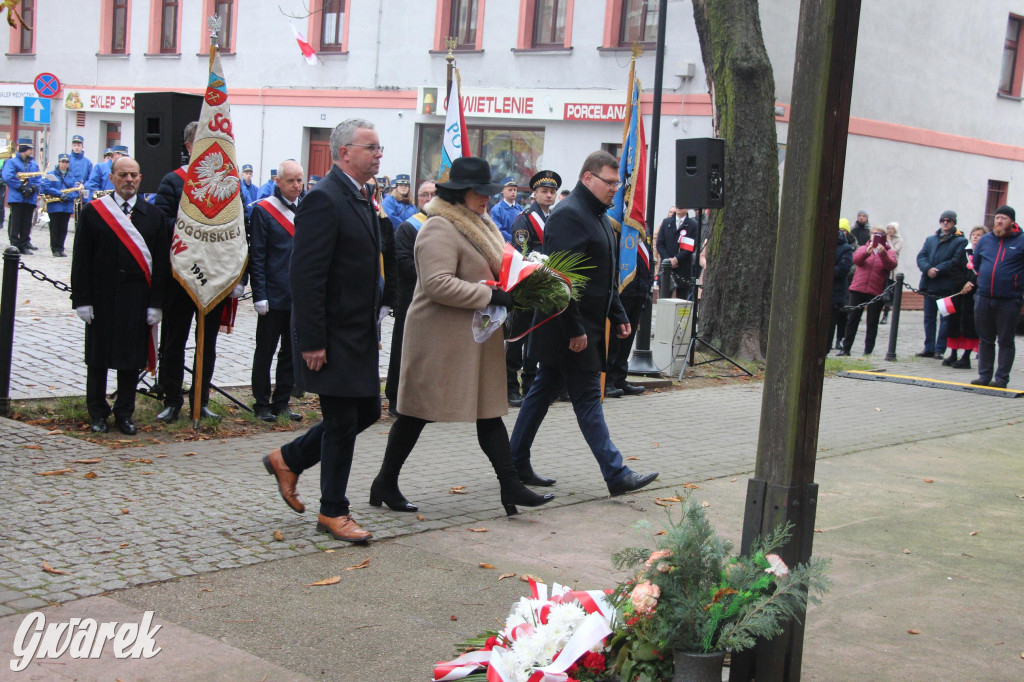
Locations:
(480, 230)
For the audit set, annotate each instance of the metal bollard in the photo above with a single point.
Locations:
(8, 303)
(894, 318)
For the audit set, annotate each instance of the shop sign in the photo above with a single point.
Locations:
(14, 94)
(547, 105)
(114, 101)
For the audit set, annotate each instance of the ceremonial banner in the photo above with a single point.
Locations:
(454, 142)
(208, 249)
(630, 201)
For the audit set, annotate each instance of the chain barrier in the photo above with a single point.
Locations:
(41, 276)
(888, 290)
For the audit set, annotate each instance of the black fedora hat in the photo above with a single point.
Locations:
(471, 172)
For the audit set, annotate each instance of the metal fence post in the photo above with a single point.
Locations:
(8, 302)
(894, 318)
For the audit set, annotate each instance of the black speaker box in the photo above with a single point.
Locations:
(700, 172)
(160, 120)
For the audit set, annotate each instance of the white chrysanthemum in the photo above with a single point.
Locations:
(535, 257)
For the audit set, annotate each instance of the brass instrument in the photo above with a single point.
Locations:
(26, 176)
(98, 194)
(48, 199)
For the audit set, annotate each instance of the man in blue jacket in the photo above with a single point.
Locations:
(943, 254)
(999, 262)
(267, 188)
(270, 255)
(22, 195)
(58, 185)
(99, 179)
(505, 212)
(248, 190)
(79, 165)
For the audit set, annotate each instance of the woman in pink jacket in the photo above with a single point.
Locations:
(874, 261)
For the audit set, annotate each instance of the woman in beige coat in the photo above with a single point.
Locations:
(446, 375)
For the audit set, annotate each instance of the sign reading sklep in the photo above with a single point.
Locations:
(118, 101)
(82, 638)
(547, 105)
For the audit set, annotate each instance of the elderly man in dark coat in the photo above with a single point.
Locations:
(571, 347)
(119, 269)
(337, 285)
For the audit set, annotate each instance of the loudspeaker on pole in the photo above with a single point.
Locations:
(700, 172)
(160, 120)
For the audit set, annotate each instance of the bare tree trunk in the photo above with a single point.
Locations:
(738, 287)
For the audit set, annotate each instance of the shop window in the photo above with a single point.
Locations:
(1013, 59)
(514, 152)
(996, 197)
(462, 20)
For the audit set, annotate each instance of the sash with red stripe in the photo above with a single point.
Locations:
(284, 216)
(538, 225)
(642, 250)
(181, 172)
(131, 239)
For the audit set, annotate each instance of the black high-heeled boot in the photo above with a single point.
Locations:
(493, 438)
(384, 489)
(513, 492)
(389, 494)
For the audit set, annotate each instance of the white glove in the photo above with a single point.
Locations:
(154, 316)
(238, 291)
(384, 312)
(262, 307)
(85, 312)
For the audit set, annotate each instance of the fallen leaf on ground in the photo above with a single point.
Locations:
(657, 445)
(92, 460)
(662, 504)
(141, 460)
(32, 447)
(483, 565)
(506, 575)
(206, 589)
(669, 499)
(421, 517)
(662, 532)
(913, 631)
(123, 545)
(732, 480)
(145, 473)
(818, 530)
(188, 454)
(526, 577)
(55, 472)
(906, 551)
(56, 432)
(278, 535)
(37, 422)
(91, 474)
(328, 551)
(333, 580)
(362, 564)
(705, 503)
(458, 490)
(929, 480)
(634, 457)
(124, 510)
(50, 569)
(691, 486)
(973, 532)
(477, 530)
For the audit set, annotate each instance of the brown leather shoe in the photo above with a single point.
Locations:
(342, 528)
(286, 480)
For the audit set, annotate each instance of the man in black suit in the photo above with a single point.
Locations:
(571, 348)
(676, 260)
(119, 269)
(337, 288)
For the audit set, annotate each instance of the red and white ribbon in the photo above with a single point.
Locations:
(514, 269)
(462, 666)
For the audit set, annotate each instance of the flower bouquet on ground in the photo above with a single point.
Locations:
(689, 595)
(536, 282)
(561, 638)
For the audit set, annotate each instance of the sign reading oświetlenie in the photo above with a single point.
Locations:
(82, 638)
(545, 105)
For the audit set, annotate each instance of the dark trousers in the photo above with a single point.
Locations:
(19, 231)
(836, 327)
(96, 392)
(995, 320)
(272, 328)
(585, 393)
(515, 353)
(618, 349)
(395, 361)
(178, 313)
(58, 230)
(332, 443)
(853, 321)
(934, 339)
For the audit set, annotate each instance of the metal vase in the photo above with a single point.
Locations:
(693, 667)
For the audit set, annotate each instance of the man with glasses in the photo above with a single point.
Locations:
(570, 348)
(405, 240)
(942, 255)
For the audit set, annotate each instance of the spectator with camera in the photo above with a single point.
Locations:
(874, 261)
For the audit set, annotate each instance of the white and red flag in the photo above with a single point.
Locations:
(946, 306)
(308, 53)
(686, 242)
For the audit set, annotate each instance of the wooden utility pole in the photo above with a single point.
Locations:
(783, 487)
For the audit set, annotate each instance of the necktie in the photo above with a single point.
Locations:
(362, 190)
(127, 209)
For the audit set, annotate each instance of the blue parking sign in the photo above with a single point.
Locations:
(36, 110)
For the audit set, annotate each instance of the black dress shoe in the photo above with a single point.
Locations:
(925, 354)
(293, 416)
(206, 412)
(612, 392)
(514, 398)
(265, 415)
(842, 353)
(390, 495)
(126, 426)
(980, 382)
(529, 477)
(168, 415)
(99, 426)
(630, 482)
(631, 389)
(31, 248)
(995, 383)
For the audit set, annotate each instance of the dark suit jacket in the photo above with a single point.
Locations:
(668, 245)
(335, 274)
(168, 197)
(106, 276)
(578, 224)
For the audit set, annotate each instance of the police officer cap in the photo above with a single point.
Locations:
(108, 151)
(247, 167)
(120, 149)
(545, 178)
(314, 179)
(77, 138)
(402, 179)
(25, 143)
(63, 157)
(273, 172)
(509, 182)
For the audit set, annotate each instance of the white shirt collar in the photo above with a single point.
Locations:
(120, 200)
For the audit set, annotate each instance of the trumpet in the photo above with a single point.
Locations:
(101, 193)
(26, 176)
(48, 199)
